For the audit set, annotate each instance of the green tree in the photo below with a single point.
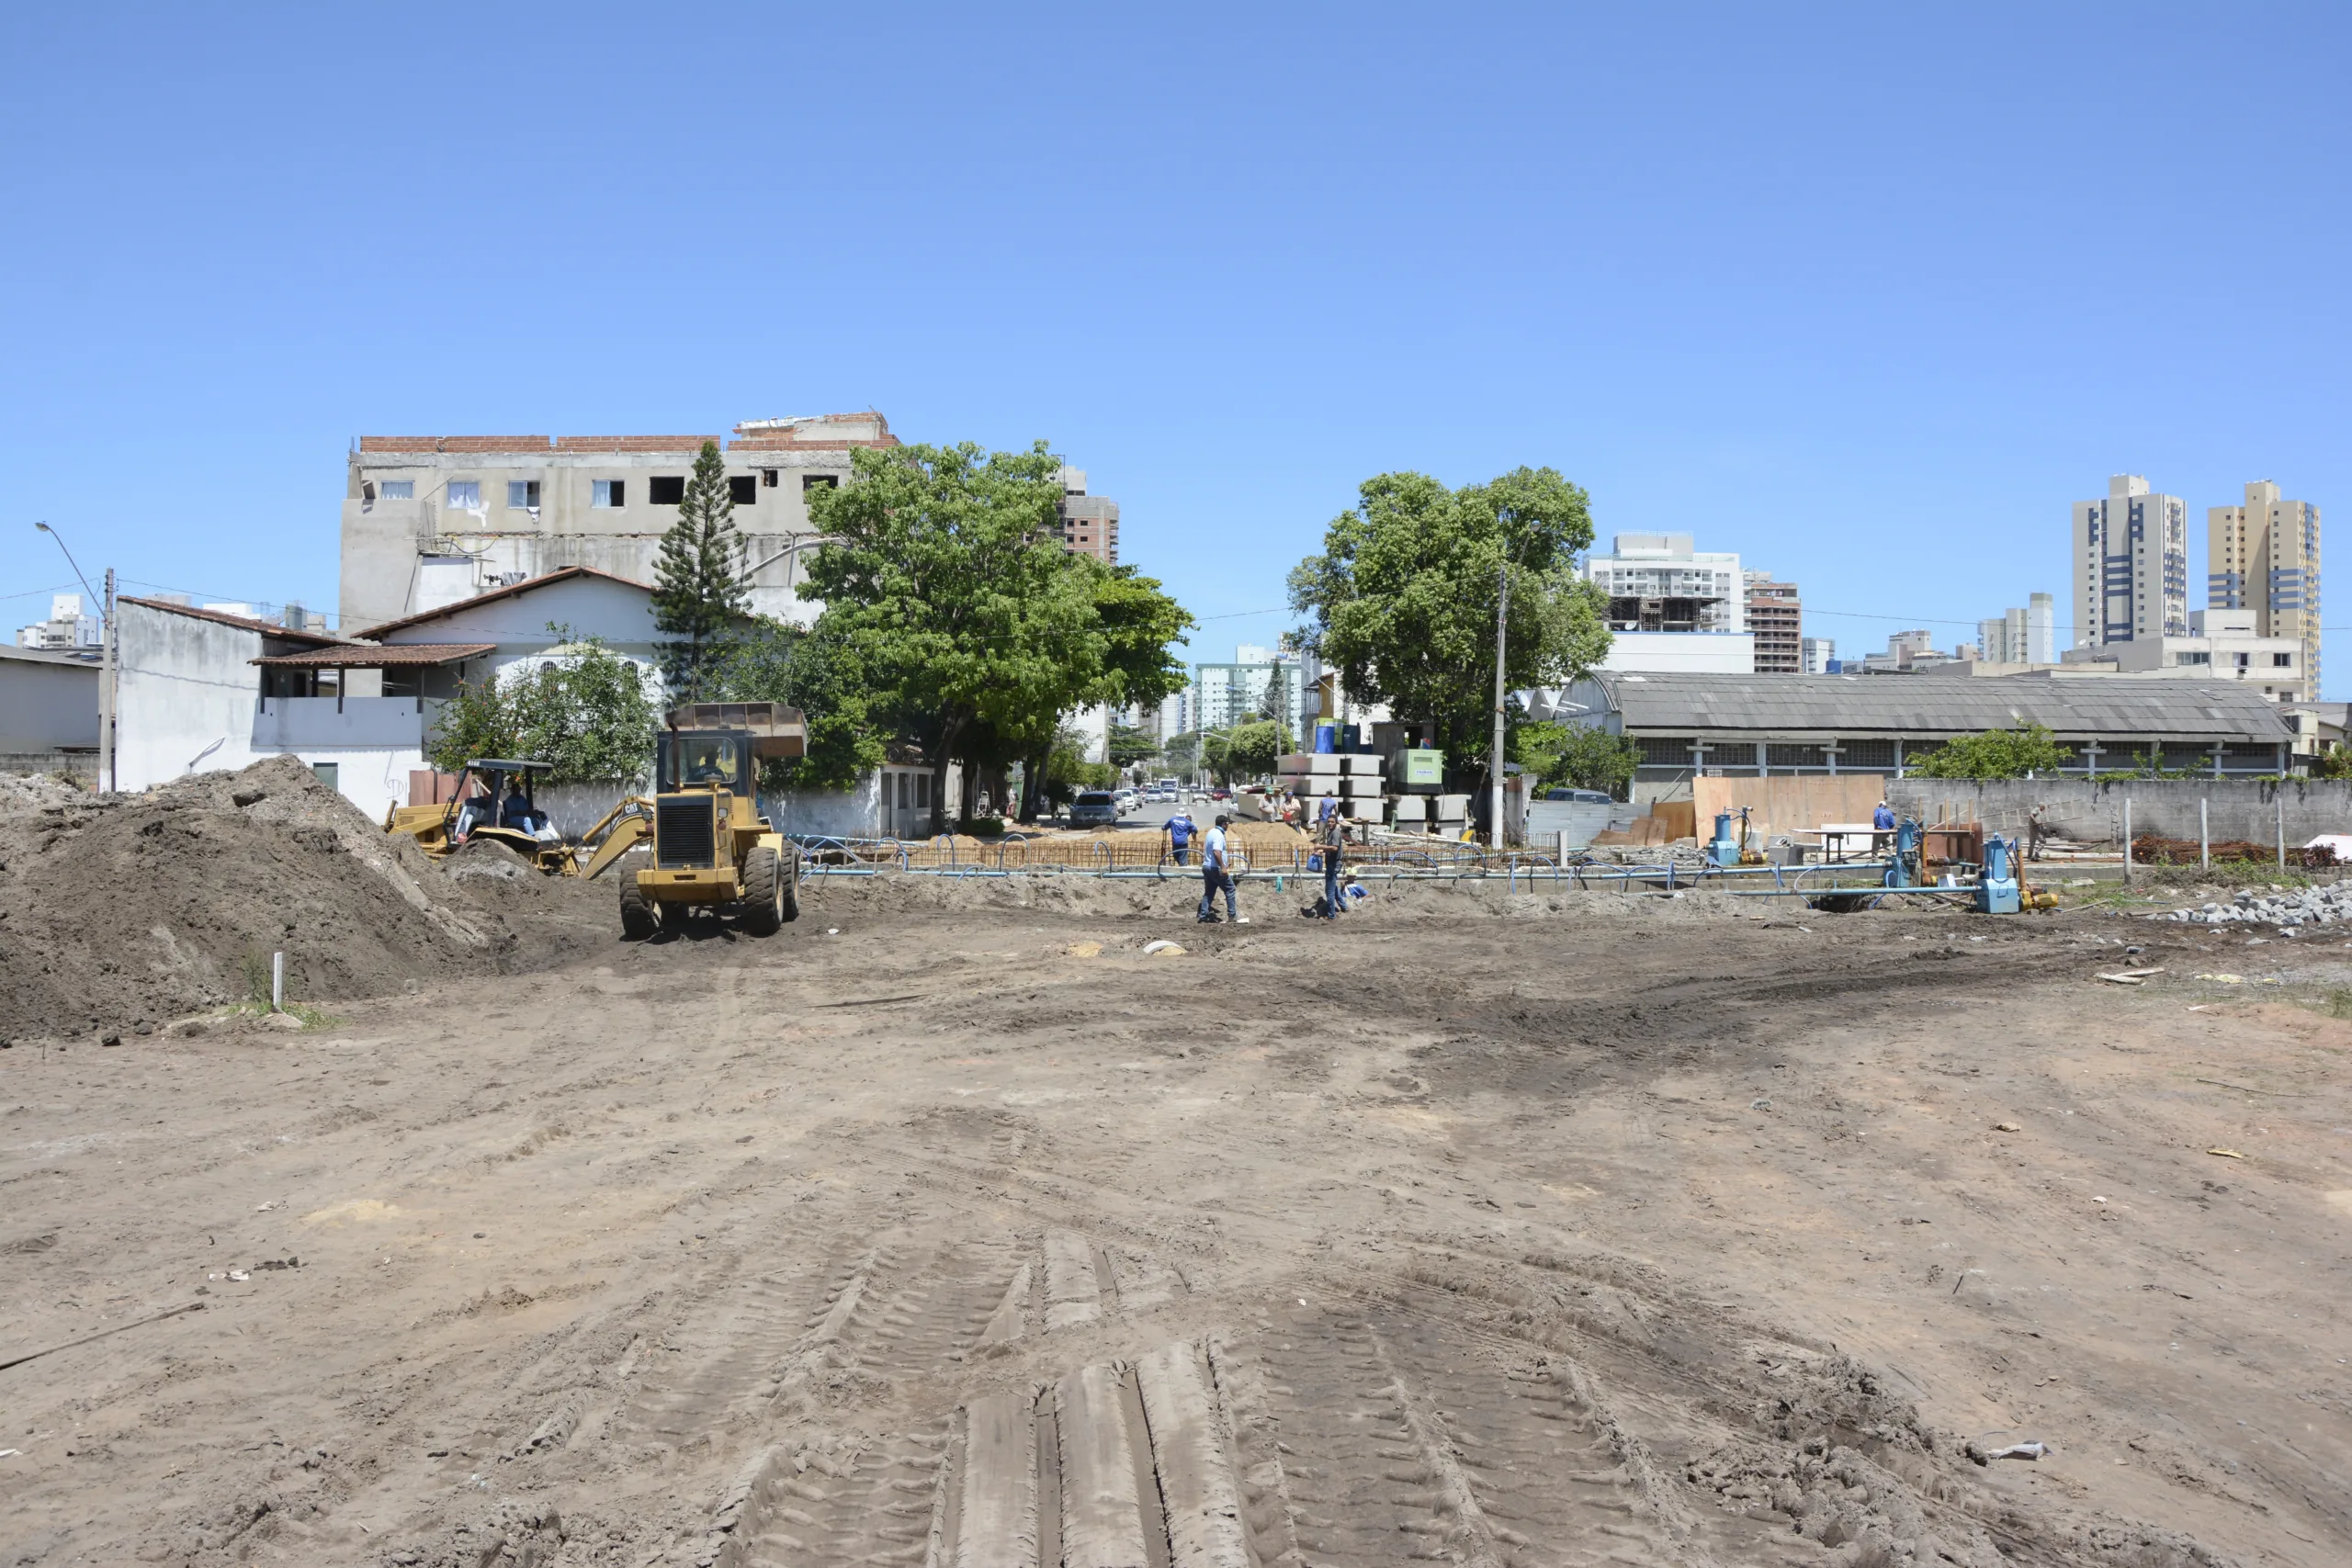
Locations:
(771, 661)
(1217, 754)
(1127, 744)
(579, 706)
(1402, 598)
(1575, 756)
(1252, 748)
(1183, 753)
(2013, 753)
(972, 629)
(701, 587)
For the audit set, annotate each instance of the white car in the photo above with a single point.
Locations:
(1129, 801)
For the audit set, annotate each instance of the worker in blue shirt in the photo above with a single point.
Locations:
(1179, 830)
(1882, 819)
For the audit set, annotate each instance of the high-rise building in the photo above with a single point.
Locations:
(2130, 553)
(1776, 616)
(1090, 523)
(1818, 654)
(67, 630)
(1673, 607)
(2027, 636)
(2264, 556)
(1261, 683)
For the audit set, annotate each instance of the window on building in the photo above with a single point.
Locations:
(922, 792)
(2243, 660)
(819, 481)
(768, 478)
(2282, 661)
(398, 490)
(608, 492)
(328, 773)
(744, 490)
(465, 495)
(521, 495)
(665, 490)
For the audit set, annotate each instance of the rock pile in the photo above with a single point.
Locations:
(2290, 910)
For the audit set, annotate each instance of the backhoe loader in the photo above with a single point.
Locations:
(711, 848)
(491, 802)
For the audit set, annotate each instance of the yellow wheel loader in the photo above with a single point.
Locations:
(712, 851)
(493, 803)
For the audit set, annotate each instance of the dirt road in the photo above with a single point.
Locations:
(1555, 1235)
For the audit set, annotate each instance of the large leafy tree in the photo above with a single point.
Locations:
(701, 587)
(1124, 657)
(949, 592)
(1402, 598)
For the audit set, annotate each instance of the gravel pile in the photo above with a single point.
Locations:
(2326, 905)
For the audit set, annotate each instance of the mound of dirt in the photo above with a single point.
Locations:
(119, 913)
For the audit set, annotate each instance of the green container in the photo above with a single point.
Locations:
(1423, 768)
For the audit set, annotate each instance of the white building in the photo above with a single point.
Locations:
(2264, 557)
(2221, 644)
(67, 628)
(1673, 607)
(1819, 654)
(1259, 681)
(2026, 636)
(2131, 556)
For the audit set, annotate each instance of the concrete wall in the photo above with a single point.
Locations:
(620, 613)
(2093, 813)
(845, 814)
(46, 703)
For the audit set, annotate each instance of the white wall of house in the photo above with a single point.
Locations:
(619, 613)
(190, 702)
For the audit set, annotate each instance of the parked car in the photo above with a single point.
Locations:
(1094, 809)
(1595, 796)
(1129, 800)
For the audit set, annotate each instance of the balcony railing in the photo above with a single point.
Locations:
(294, 724)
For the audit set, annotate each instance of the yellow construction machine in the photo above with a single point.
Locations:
(711, 848)
(493, 803)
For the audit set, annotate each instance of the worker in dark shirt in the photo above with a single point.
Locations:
(1882, 819)
(1329, 835)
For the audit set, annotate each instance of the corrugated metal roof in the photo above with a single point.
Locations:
(1674, 704)
(364, 656)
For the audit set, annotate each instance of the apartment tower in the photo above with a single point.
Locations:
(1776, 615)
(2130, 551)
(2264, 556)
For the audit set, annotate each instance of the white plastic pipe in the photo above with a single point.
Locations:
(277, 982)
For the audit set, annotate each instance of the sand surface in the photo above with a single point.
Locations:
(1551, 1230)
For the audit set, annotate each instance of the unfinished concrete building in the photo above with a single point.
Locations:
(430, 520)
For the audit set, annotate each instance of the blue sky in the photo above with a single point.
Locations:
(1868, 294)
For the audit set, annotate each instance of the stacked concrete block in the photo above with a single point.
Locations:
(1449, 813)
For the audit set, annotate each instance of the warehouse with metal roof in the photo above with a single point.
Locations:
(1747, 726)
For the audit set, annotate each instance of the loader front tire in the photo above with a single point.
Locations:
(791, 899)
(640, 915)
(762, 906)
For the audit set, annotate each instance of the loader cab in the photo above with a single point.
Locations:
(704, 762)
(495, 794)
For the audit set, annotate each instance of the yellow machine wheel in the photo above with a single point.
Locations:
(640, 915)
(790, 899)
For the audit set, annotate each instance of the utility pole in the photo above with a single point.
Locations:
(107, 657)
(1494, 763)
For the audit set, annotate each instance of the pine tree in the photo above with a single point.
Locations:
(701, 589)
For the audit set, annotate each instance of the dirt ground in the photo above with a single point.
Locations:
(1534, 1230)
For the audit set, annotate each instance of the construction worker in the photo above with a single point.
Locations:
(1178, 830)
(1882, 819)
(1329, 835)
(1214, 876)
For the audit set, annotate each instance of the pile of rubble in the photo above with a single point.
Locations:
(2286, 908)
